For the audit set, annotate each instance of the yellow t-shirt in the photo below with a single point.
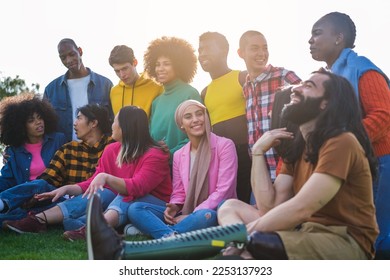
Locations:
(224, 99)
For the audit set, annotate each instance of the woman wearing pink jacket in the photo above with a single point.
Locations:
(204, 175)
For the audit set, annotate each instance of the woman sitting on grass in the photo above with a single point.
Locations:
(204, 175)
(27, 129)
(135, 168)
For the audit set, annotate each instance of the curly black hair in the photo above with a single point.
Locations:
(179, 51)
(16, 110)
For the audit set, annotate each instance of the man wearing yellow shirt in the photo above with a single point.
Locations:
(225, 102)
(133, 88)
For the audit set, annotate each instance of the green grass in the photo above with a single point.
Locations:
(44, 246)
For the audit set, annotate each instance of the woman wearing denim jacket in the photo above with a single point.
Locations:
(135, 167)
(27, 129)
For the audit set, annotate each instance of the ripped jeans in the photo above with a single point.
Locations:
(149, 218)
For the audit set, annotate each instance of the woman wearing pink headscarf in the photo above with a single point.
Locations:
(204, 175)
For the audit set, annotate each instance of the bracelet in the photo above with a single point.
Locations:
(258, 154)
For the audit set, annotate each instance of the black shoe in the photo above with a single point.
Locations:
(266, 246)
(103, 242)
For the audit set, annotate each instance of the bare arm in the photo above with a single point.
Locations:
(314, 195)
(269, 195)
(203, 93)
(71, 190)
(242, 77)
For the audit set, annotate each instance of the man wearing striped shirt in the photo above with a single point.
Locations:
(74, 162)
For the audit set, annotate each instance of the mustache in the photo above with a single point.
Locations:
(299, 95)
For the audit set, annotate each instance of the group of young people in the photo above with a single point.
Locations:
(175, 161)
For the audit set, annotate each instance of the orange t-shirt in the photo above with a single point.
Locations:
(343, 157)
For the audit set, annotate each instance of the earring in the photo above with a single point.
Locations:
(337, 43)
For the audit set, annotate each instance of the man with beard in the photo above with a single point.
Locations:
(321, 204)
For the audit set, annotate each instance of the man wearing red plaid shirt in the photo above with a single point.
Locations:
(262, 83)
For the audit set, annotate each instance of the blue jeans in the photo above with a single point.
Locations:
(149, 219)
(122, 207)
(74, 209)
(382, 203)
(15, 197)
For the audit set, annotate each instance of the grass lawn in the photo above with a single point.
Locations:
(44, 246)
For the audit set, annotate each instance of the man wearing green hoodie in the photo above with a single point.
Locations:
(133, 88)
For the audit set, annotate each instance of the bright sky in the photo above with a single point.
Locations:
(31, 31)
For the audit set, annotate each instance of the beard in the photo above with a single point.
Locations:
(302, 112)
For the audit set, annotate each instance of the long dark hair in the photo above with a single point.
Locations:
(136, 139)
(342, 114)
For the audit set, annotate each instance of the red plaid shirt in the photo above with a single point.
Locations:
(259, 95)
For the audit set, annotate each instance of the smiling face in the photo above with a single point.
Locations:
(307, 100)
(255, 54)
(193, 121)
(35, 128)
(70, 56)
(325, 43)
(211, 56)
(165, 72)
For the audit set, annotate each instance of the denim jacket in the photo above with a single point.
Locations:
(57, 93)
(17, 168)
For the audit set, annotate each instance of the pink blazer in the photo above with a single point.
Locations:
(222, 173)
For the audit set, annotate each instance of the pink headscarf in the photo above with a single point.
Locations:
(199, 184)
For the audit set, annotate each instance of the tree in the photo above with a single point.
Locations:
(13, 86)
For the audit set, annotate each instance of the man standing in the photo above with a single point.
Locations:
(262, 83)
(132, 89)
(77, 87)
(225, 103)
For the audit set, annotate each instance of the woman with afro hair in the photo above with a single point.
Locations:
(172, 62)
(27, 129)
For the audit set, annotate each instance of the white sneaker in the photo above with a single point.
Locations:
(131, 230)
